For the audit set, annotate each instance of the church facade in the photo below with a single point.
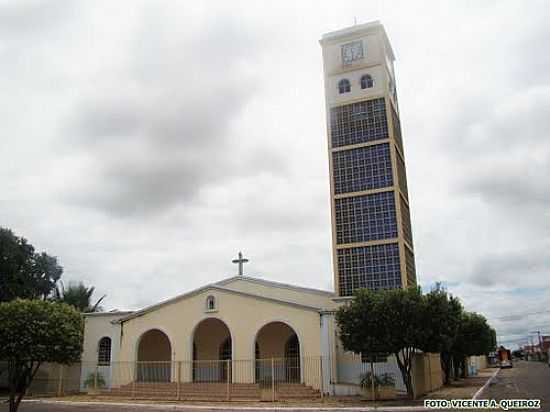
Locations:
(241, 330)
(245, 322)
(253, 332)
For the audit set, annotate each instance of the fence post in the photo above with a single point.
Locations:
(178, 386)
(413, 377)
(372, 379)
(227, 378)
(134, 380)
(272, 380)
(321, 380)
(60, 382)
(430, 370)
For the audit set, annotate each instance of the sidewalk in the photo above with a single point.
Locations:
(465, 388)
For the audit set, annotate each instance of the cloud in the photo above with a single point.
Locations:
(162, 133)
(509, 151)
(525, 267)
(32, 17)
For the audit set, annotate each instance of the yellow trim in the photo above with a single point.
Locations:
(369, 243)
(359, 145)
(358, 99)
(364, 192)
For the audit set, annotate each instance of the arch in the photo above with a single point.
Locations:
(367, 81)
(277, 342)
(213, 346)
(104, 351)
(279, 320)
(344, 86)
(154, 357)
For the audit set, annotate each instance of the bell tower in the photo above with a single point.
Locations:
(371, 227)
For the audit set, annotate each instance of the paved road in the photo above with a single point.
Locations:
(526, 380)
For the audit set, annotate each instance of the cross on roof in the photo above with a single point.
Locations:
(240, 261)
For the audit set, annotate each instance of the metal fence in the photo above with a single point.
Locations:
(259, 379)
(51, 379)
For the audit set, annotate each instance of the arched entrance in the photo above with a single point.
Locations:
(154, 357)
(212, 348)
(277, 350)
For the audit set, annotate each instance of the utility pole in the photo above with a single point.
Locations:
(539, 352)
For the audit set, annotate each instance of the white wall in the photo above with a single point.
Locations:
(97, 326)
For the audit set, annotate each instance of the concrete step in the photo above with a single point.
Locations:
(211, 391)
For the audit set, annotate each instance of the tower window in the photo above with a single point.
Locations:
(210, 303)
(104, 351)
(367, 82)
(344, 86)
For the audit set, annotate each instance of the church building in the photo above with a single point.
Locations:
(246, 337)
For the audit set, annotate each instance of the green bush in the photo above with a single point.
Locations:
(384, 379)
(90, 381)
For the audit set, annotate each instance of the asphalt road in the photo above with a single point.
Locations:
(526, 380)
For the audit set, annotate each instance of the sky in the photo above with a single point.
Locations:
(145, 143)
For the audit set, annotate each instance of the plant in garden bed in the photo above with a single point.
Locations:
(384, 385)
(94, 381)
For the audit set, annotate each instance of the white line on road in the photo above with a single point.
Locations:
(480, 390)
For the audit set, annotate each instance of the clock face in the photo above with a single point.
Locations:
(352, 51)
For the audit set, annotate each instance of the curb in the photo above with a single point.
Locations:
(489, 381)
(177, 407)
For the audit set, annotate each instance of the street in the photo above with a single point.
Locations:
(526, 380)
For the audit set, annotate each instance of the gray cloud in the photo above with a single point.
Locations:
(522, 267)
(32, 17)
(164, 134)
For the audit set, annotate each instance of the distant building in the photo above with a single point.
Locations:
(371, 224)
(546, 345)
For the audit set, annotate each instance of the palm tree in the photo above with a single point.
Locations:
(79, 296)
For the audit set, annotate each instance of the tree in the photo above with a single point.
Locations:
(46, 272)
(33, 332)
(444, 315)
(23, 273)
(386, 321)
(475, 337)
(78, 296)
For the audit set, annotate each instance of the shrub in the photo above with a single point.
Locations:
(91, 381)
(384, 379)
